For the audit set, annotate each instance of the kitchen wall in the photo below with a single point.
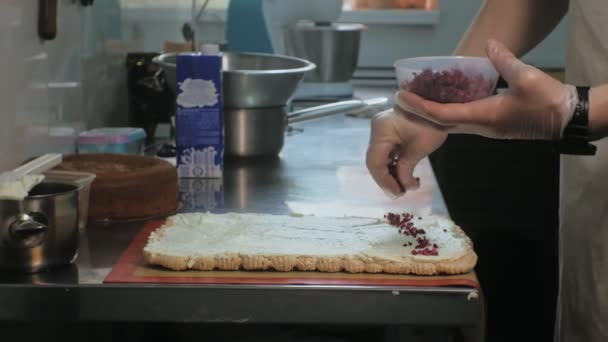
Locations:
(52, 90)
(387, 42)
(159, 21)
(41, 92)
(387, 39)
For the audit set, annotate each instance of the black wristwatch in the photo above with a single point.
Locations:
(575, 139)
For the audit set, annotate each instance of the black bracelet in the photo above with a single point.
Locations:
(575, 139)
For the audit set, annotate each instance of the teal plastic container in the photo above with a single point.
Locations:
(119, 140)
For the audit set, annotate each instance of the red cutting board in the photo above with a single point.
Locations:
(132, 268)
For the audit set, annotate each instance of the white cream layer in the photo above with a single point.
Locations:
(204, 234)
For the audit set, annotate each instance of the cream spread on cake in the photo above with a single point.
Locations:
(204, 234)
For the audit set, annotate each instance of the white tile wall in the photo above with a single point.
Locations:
(51, 90)
(23, 97)
(40, 100)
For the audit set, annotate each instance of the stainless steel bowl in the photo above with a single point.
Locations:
(254, 132)
(251, 80)
(41, 231)
(333, 48)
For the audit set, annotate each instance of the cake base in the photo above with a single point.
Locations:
(309, 264)
(127, 187)
(256, 242)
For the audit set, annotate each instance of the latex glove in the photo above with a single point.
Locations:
(411, 136)
(536, 106)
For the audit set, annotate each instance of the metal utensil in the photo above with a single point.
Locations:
(47, 19)
(375, 105)
(40, 231)
(250, 80)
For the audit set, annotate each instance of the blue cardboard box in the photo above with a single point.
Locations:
(199, 118)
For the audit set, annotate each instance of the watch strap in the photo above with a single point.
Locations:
(575, 139)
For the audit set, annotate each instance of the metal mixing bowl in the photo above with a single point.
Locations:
(251, 80)
(333, 48)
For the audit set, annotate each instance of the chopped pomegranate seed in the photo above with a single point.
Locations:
(427, 252)
(451, 85)
(422, 243)
(406, 217)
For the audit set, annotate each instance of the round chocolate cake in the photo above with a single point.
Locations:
(127, 186)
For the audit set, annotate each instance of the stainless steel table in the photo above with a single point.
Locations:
(321, 168)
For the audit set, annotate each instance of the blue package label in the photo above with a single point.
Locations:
(199, 119)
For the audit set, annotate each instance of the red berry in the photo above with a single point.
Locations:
(448, 86)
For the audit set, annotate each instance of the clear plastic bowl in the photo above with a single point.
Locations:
(447, 79)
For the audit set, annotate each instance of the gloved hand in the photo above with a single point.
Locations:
(412, 137)
(536, 106)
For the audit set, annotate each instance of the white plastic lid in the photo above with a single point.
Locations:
(210, 49)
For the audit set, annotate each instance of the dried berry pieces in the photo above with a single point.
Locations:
(449, 86)
(422, 242)
(406, 227)
(402, 222)
(426, 251)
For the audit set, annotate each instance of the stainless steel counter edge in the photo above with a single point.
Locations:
(242, 304)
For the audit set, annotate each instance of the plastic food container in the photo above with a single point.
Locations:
(122, 140)
(448, 79)
(83, 179)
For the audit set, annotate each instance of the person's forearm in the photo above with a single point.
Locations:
(598, 112)
(519, 24)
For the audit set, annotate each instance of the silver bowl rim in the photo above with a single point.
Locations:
(60, 194)
(308, 66)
